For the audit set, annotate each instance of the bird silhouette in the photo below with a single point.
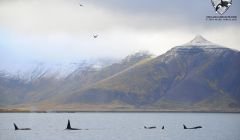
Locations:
(95, 36)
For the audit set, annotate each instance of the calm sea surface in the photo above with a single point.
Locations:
(120, 126)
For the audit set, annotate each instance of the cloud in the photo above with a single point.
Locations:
(60, 31)
(51, 16)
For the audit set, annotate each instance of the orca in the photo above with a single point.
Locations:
(16, 128)
(223, 4)
(69, 127)
(150, 127)
(162, 127)
(196, 127)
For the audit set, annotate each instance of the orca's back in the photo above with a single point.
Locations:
(69, 125)
(15, 126)
(184, 126)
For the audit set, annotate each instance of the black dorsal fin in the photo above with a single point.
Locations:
(69, 125)
(15, 126)
(184, 126)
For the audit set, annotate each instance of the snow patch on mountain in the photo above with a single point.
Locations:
(199, 41)
(196, 46)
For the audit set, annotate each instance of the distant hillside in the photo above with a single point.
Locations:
(196, 76)
(47, 89)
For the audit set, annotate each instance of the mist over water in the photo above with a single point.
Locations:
(120, 126)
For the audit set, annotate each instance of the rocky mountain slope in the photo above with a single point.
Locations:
(196, 76)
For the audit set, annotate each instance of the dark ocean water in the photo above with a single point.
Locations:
(120, 126)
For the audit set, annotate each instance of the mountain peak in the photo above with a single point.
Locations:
(197, 45)
(199, 41)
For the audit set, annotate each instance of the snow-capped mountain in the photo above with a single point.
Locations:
(196, 76)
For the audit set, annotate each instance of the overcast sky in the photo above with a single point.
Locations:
(60, 31)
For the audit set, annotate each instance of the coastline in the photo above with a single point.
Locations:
(117, 111)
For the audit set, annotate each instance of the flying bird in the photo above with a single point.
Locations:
(95, 36)
(81, 5)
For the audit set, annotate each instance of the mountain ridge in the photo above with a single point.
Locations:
(115, 87)
(196, 76)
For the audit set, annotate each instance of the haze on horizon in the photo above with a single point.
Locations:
(61, 31)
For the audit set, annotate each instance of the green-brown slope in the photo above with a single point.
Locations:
(186, 75)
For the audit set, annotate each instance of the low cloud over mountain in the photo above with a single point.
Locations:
(196, 76)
